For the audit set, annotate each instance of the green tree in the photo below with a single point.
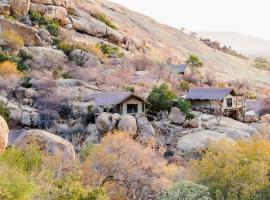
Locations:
(262, 63)
(194, 62)
(161, 97)
(186, 107)
(234, 171)
(186, 190)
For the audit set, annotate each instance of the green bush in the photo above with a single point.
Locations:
(104, 18)
(161, 98)
(66, 47)
(186, 107)
(26, 160)
(110, 50)
(186, 190)
(23, 57)
(184, 86)
(129, 88)
(14, 184)
(51, 25)
(4, 112)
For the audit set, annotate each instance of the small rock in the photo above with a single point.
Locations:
(106, 122)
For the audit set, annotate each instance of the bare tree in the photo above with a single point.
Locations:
(218, 110)
(240, 86)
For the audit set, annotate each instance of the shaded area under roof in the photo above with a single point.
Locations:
(198, 93)
(178, 68)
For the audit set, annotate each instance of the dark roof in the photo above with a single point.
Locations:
(112, 98)
(179, 68)
(210, 93)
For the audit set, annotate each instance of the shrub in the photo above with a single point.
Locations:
(104, 18)
(161, 98)
(27, 159)
(186, 190)
(110, 50)
(23, 57)
(194, 62)
(14, 184)
(234, 171)
(125, 168)
(129, 88)
(51, 25)
(4, 112)
(12, 39)
(184, 86)
(186, 107)
(8, 68)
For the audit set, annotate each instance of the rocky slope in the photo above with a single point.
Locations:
(135, 33)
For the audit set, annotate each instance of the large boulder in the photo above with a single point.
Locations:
(45, 57)
(146, 132)
(28, 34)
(177, 116)
(107, 122)
(210, 122)
(4, 130)
(19, 7)
(84, 58)
(48, 142)
(197, 141)
(52, 12)
(85, 23)
(128, 124)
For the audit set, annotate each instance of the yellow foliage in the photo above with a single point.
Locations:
(8, 68)
(119, 159)
(234, 171)
(14, 40)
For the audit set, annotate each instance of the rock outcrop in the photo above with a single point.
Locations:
(28, 34)
(107, 122)
(4, 9)
(3, 134)
(19, 7)
(52, 12)
(146, 132)
(84, 58)
(94, 137)
(45, 57)
(47, 142)
(128, 124)
(196, 142)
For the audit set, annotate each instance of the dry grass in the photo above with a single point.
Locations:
(8, 68)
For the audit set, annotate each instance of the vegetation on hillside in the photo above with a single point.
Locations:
(105, 19)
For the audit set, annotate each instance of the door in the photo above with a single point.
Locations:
(132, 108)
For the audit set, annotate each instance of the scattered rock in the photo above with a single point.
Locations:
(19, 7)
(106, 122)
(45, 35)
(4, 130)
(63, 3)
(193, 123)
(128, 124)
(177, 116)
(48, 142)
(84, 58)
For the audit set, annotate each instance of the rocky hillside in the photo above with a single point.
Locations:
(93, 21)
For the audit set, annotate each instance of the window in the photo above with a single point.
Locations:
(229, 102)
(132, 108)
